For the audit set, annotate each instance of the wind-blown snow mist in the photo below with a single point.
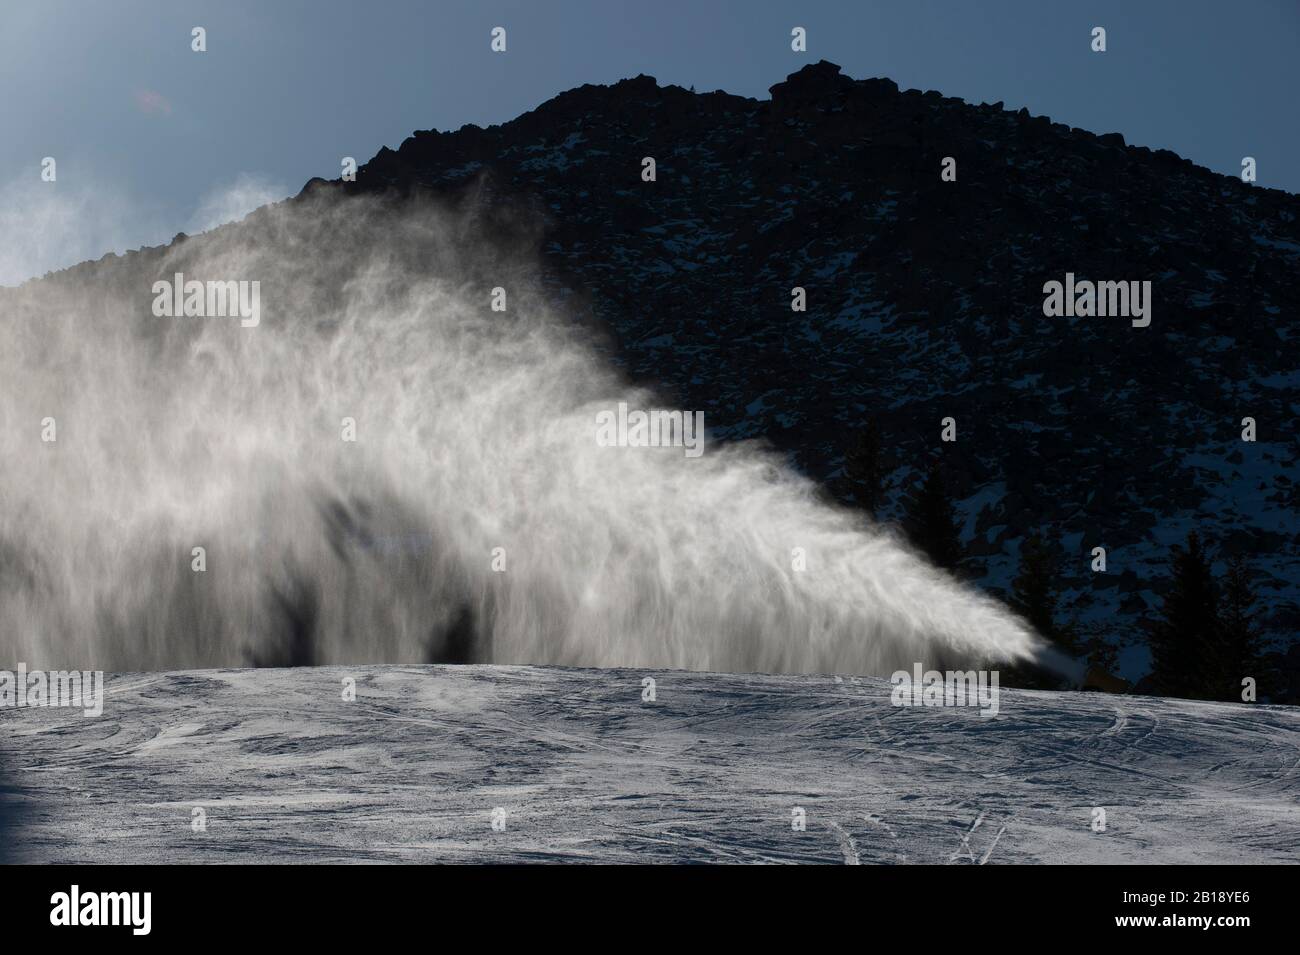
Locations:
(475, 430)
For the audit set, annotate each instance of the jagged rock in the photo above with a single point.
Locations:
(925, 300)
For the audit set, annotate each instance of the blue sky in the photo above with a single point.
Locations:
(152, 138)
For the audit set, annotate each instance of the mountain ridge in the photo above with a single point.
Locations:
(925, 302)
(834, 185)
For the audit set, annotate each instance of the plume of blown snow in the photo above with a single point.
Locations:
(474, 518)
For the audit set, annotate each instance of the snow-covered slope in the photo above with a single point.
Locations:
(585, 770)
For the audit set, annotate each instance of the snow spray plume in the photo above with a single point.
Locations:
(474, 430)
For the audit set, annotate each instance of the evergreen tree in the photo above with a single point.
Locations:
(1034, 594)
(1184, 640)
(1239, 649)
(931, 521)
(863, 473)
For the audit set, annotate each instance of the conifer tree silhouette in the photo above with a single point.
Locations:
(1238, 650)
(1184, 639)
(863, 471)
(931, 521)
(1034, 595)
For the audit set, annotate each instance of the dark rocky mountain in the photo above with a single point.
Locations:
(925, 300)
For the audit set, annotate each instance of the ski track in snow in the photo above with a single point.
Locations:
(287, 771)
